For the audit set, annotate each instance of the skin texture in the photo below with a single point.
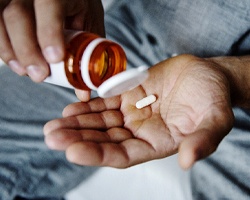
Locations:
(192, 114)
(35, 27)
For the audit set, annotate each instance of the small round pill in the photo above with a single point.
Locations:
(145, 101)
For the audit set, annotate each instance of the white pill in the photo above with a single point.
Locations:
(145, 101)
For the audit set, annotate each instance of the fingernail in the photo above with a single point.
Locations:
(36, 73)
(53, 54)
(16, 67)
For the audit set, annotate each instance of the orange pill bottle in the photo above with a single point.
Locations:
(90, 61)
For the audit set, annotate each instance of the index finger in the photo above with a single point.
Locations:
(49, 21)
(93, 106)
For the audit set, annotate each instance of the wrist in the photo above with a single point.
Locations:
(237, 71)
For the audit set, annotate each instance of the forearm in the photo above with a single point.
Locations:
(237, 71)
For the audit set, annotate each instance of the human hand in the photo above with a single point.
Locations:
(192, 114)
(31, 33)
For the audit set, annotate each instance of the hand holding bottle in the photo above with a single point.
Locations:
(31, 33)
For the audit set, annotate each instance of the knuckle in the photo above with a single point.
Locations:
(5, 54)
(14, 10)
(11, 11)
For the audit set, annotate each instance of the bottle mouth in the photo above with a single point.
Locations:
(86, 60)
(101, 60)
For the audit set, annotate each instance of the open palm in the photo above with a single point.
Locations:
(192, 113)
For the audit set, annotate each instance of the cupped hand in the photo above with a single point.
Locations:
(31, 33)
(191, 116)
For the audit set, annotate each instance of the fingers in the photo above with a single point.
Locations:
(18, 35)
(96, 121)
(122, 155)
(62, 139)
(7, 53)
(95, 105)
(115, 147)
(129, 152)
(50, 15)
(31, 33)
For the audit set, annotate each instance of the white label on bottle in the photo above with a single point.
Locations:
(58, 75)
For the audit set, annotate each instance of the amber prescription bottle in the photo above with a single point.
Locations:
(95, 63)
(89, 61)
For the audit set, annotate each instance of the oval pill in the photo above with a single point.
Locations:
(145, 101)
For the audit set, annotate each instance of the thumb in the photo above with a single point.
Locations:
(203, 142)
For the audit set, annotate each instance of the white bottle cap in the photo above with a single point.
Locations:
(117, 84)
(123, 82)
(113, 86)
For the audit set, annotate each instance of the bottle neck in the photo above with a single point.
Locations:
(86, 60)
